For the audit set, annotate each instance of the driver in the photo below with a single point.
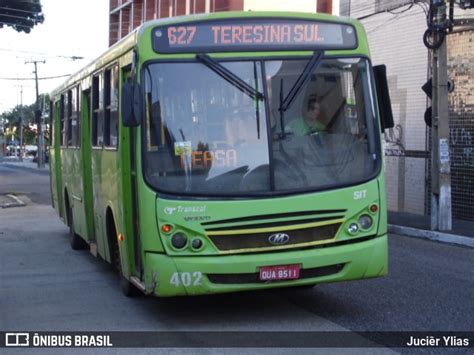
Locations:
(311, 122)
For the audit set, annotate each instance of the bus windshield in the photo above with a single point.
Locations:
(205, 136)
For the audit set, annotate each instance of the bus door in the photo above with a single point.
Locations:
(130, 175)
(87, 163)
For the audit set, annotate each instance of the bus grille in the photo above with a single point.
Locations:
(260, 241)
(256, 237)
(255, 277)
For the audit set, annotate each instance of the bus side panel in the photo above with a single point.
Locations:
(98, 201)
(125, 218)
(67, 190)
(52, 178)
(110, 190)
(383, 221)
(105, 176)
(55, 162)
(77, 193)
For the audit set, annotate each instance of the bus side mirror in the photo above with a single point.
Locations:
(383, 97)
(131, 104)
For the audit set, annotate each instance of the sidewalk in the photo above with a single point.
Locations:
(419, 226)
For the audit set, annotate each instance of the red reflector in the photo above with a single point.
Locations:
(374, 208)
(121, 237)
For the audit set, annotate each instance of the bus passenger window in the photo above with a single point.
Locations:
(110, 106)
(70, 104)
(97, 125)
(72, 130)
(113, 129)
(77, 126)
(61, 113)
(51, 122)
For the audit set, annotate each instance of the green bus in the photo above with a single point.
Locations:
(187, 158)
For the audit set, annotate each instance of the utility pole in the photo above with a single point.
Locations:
(21, 123)
(38, 117)
(441, 212)
(2, 140)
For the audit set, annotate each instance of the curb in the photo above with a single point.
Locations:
(17, 203)
(432, 235)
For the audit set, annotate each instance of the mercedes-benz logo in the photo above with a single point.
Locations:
(279, 238)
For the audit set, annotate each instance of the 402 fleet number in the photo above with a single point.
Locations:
(186, 278)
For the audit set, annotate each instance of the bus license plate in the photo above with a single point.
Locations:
(279, 272)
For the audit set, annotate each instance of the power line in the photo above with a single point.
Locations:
(390, 11)
(44, 78)
(73, 57)
(397, 16)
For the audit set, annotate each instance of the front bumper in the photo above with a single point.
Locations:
(180, 276)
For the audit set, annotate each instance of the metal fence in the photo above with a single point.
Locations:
(461, 126)
(461, 122)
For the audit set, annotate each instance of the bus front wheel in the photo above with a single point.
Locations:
(128, 289)
(77, 243)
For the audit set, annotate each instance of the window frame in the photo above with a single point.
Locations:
(62, 126)
(96, 110)
(69, 114)
(110, 105)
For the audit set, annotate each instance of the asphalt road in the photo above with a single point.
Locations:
(18, 180)
(47, 286)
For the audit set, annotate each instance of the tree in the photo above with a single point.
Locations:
(22, 15)
(11, 119)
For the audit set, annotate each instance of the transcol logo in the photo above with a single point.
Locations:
(279, 238)
(170, 210)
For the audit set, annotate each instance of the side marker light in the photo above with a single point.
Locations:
(166, 228)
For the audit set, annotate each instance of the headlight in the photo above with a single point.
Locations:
(179, 240)
(365, 221)
(196, 244)
(353, 228)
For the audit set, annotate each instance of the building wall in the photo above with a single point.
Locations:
(396, 41)
(125, 15)
(281, 5)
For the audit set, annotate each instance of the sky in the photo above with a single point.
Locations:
(71, 28)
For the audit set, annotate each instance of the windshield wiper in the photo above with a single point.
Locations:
(302, 79)
(226, 74)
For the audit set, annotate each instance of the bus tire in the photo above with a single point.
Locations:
(76, 242)
(128, 289)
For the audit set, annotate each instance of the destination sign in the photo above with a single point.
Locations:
(253, 35)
